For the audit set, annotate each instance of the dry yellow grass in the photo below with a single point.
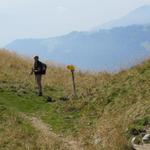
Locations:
(16, 69)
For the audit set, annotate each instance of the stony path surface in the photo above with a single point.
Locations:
(48, 133)
(140, 147)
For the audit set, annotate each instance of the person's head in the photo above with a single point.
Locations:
(36, 58)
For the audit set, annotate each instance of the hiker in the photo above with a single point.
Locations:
(38, 69)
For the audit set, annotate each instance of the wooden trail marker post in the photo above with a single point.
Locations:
(72, 69)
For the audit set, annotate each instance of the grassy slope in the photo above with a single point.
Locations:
(109, 106)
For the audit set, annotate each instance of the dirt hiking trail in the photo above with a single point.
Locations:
(48, 134)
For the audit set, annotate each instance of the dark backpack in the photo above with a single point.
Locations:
(43, 68)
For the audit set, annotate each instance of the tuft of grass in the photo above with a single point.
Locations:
(139, 126)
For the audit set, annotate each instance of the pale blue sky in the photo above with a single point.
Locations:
(47, 18)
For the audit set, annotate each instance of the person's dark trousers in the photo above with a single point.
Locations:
(38, 79)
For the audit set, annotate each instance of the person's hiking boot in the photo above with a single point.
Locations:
(40, 94)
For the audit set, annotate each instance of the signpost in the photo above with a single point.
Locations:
(72, 69)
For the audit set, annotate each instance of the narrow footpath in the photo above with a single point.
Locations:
(48, 134)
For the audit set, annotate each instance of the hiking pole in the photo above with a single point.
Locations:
(72, 69)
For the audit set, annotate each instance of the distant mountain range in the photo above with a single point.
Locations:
(104, 49)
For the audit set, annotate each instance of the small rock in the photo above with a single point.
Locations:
(97, 140)
(49, 99)
(64, 98)
(146, 138)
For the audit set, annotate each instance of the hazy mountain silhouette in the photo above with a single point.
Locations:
(122, 43)
(139, 16)
(103, 50)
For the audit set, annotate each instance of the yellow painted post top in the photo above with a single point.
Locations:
(71, 67)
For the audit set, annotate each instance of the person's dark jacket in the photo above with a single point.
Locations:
(37, 68)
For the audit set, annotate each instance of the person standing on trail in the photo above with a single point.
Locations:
(38, 69)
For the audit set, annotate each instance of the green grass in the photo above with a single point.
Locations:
(37, 106)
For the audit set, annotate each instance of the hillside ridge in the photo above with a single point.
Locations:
(110, 110)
